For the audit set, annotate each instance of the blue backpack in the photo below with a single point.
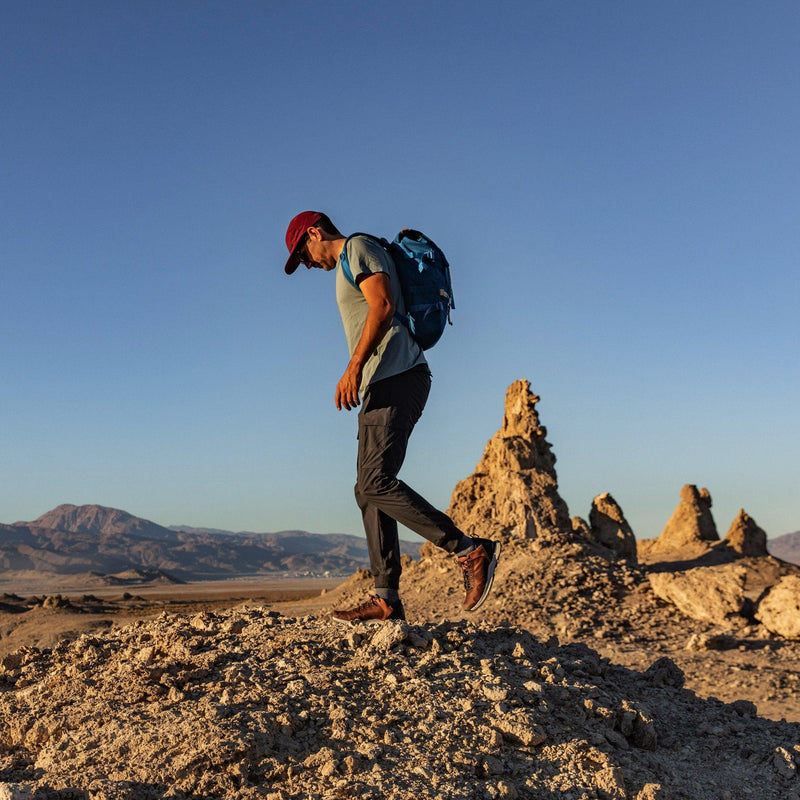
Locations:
(424, 275)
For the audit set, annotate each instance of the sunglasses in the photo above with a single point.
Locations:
(300, 251)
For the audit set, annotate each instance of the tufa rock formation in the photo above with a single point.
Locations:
(514, 490)
(706, 594)
(609, 527)
(555, 577)
(779, 610)
(731, 582)
(745, 537)
(691, 524)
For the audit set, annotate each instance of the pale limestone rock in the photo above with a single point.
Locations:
(610, 528)
(514, 489)
(745, 537)
(691, 524)
(611, 782)
(779, 609)
(652, 791)
(581, 527)
(704, 593)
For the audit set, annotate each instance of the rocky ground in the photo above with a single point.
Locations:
(601, 668)
(547, 594)
(59, 610)
(247, 703)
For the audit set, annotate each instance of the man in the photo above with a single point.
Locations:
(388, 370)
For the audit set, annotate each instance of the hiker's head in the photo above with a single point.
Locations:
(308, 228)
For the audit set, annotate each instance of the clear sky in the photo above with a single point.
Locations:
(615, 184)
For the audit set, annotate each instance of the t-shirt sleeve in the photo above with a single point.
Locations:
(366, 257)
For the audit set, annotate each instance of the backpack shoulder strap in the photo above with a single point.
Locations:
(346, 271)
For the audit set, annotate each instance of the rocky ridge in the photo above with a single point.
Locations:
(73, 539)
(786, 547)
(250, 704)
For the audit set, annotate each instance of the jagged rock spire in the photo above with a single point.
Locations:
(745, 537)
(514, 489)
(609, 527)
(691, 523)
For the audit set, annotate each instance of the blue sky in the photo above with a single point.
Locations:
(615, 184)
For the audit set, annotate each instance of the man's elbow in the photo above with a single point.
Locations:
(386, 310)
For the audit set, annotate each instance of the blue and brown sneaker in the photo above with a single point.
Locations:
(375, 611)
(479, 567)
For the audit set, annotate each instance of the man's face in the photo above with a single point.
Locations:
(312, 252)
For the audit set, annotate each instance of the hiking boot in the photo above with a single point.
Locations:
(373, 612)
(479, 567)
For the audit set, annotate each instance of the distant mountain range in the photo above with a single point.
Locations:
(70, 540)
(786, 547)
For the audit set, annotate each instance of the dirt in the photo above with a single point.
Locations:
(247, 703)
(59, 609)
(274, 700)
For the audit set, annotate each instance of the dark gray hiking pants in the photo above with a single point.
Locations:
(390, 409)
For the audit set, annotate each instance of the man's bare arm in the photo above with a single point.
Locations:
(377, 292)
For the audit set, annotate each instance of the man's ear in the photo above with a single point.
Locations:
(314, 233)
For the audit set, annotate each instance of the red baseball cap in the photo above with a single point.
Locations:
(295, 232)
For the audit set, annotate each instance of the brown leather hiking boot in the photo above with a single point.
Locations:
(373, 612)
(479, 567)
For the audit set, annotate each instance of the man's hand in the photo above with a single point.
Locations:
(377, 292)
(347, 388)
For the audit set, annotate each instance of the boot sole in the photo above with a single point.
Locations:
(372, 623)
(489, 578)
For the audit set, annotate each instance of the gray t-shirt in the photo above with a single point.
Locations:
(398, 351)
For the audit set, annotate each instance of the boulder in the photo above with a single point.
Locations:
(779, 609)
(745, 537)
(609, 527)
(514, 489)
(706, 594)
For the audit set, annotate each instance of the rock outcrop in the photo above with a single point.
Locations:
(691, 525)
(552, 573)
(745, 537)
(609, 527)
(779, 609)
(513, 492)
(706, 593)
